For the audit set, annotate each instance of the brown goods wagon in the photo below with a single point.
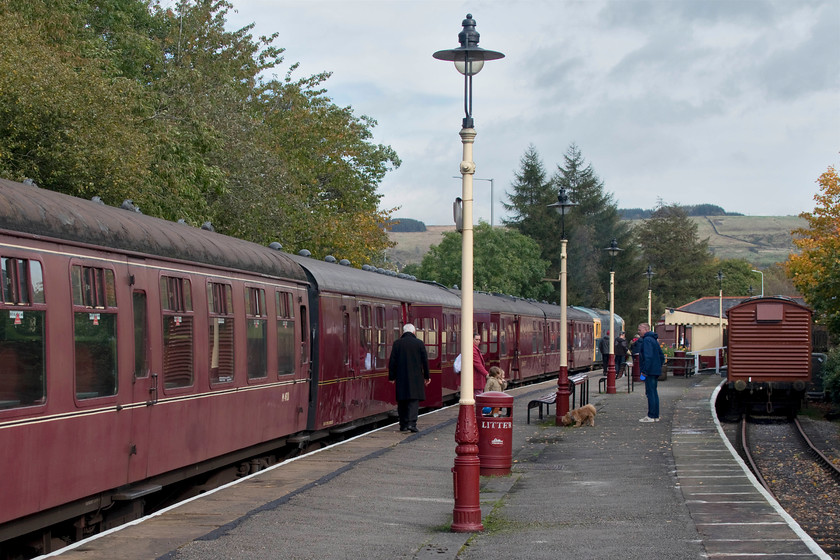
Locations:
(769, 342)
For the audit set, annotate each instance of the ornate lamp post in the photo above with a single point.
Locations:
(563, 205)
(613, 251)
(649, 273)
(720, 277)
(469, 59)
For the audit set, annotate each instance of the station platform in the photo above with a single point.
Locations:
(621, 489)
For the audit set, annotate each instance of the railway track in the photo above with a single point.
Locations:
(800, 476)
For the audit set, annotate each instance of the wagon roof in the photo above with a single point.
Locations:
(43, 213)
(796, 302)
(338, 278)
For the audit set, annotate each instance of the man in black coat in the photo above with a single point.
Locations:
(408, 368)
(604, 349)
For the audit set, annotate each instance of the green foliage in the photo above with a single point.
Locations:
(504, 261)
(816, 270)
(683, 267)
(127, 99)
(831, 376)
(406, 225)
(589, 227)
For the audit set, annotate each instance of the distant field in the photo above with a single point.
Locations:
(761, 240)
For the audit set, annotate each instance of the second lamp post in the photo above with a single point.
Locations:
(612, 250)
(563, 205)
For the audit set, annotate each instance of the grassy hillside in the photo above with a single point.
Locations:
(761, 240)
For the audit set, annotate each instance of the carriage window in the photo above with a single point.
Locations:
(494, 338)
(503, 339)
(285, 333)
(95, 331)
(257, 333)
(22, 313)
(176, 299)
(381, 338)
(141, 335)
(533, 337)
(430, 336)
(220, 310)
(365, 337)
(395, 323)
(304, 336)
(453, 339)
(345, 338)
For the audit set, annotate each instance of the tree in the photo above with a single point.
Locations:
(683, 266)
(590, 227)
(816, 270)
(529, 199)
(505, 261)
(127, 99)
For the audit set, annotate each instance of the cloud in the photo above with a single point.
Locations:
(735, 103)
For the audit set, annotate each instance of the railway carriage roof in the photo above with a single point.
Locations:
(505, 304)
(40, 212)
(334, 277)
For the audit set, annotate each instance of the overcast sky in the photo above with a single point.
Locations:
(735, 103)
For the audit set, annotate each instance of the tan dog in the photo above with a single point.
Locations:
(580, 416)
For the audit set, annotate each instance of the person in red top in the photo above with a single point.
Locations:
(480, 372)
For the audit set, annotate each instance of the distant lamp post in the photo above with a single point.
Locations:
(649, 273)
(613, 251)
(720, 277)
(469, 59)
(762, 281)
(563, 205)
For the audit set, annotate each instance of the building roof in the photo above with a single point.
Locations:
(705, 310)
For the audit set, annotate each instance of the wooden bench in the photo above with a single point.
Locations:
(551, 398)
(544, 401)
(574, 381)
(623, 372)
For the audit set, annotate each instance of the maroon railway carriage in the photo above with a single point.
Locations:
(360, 314)
(769, 353)
(134, 351)
(523, 337)
(579, 338)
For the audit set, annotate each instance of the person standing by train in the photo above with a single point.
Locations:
(651, 359)
(620, 349)
(408, 369)
(604, 349)
(480, 372)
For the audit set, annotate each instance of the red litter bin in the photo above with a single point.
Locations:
(495, 432)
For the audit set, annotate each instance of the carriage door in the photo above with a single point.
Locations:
(146, 368)
(427, 322)
(515, 343)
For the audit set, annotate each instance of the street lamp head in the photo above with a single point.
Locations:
(613, 248)
(564, 203)
(649, 273)
(469, 59)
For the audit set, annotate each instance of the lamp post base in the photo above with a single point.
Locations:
(561, 406)
(611, 375)
(466, 517)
